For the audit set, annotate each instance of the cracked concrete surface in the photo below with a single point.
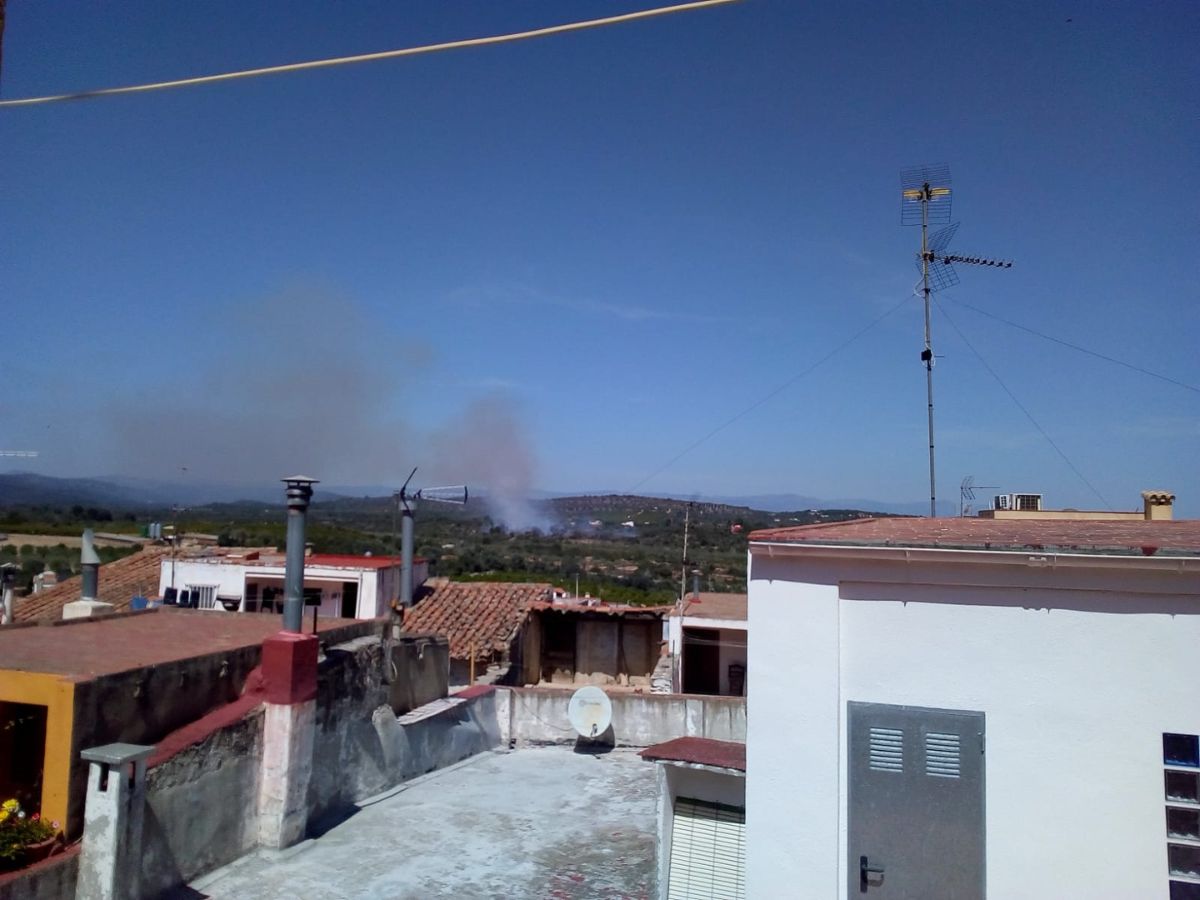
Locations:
(544, 822)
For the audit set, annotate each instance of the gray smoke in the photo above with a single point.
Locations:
(486, 448)
(303, 383)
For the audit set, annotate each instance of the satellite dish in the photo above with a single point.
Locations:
(590, 712)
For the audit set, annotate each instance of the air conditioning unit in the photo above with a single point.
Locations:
(1022, 502)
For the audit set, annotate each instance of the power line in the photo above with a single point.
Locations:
(771, 395)
(370, 57)
(1060, 341)
(1021, 406)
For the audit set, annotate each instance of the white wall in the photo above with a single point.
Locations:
(791, 738)
(229, 578)
(1077, 689)
(677, 780)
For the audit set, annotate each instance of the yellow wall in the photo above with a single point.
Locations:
(58, 696)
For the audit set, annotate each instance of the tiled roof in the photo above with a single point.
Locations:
(119, 582)
(1148, 538)
(84, 648)
(699, 751)
(706, 605)
(608, 609)
(482, 614)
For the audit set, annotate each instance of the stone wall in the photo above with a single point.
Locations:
(539, 716)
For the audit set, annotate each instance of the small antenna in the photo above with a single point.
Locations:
(22, 454)
(966, 494)
(925, 199)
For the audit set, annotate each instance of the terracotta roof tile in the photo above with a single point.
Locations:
(706, 605)
(120, 581)
(480, 613)
(1177, 538)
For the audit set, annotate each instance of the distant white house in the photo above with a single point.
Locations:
(345, 586)
(954, 708)
(706, 637)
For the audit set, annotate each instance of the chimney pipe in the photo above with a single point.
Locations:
(89, 561)
(8, 576)
(299, 493)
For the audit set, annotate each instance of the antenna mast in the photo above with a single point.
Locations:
(456, 494)
(925, 200)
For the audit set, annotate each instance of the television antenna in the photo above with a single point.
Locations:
(966, 494)
(456, 494)
(925, 199)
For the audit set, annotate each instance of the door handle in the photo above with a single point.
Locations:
(865, 871)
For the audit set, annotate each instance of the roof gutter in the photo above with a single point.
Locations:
(1025, 558)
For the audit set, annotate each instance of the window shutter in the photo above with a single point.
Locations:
(708, 852)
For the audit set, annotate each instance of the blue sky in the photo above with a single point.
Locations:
(564, 261)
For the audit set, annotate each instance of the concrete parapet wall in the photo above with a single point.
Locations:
(422, 667)
(361, 748)
(51, 879)
(539, 716)
(201, 806)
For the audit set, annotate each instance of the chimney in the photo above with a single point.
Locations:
(1159, 506)
(88, 603)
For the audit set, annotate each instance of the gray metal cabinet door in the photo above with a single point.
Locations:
(916, 813)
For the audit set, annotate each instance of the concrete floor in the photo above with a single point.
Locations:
(544, 822)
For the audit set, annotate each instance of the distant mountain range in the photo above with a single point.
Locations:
(124, 492)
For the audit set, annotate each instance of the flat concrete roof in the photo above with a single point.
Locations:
(1143, 538)
(82, 649)
(542, 822)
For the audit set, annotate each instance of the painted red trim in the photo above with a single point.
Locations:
(476, 690)
(193, 733)
(289, 667)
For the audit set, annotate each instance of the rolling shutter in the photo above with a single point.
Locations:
(708, 852)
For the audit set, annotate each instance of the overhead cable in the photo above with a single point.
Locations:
(370, 57)
(1021, 406)
(770, 395)
(1061, 342)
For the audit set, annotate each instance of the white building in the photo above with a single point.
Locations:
(701, 818)
(954, 708)
(706, 636)
(346, 586)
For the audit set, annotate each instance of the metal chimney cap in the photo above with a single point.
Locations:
(300, 479)
(87, 550)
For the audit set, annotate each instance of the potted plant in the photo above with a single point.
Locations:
(24, 839)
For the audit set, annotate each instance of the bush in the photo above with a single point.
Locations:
(19, 832)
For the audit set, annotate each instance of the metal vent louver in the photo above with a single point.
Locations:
(886, 750)
(942, 755)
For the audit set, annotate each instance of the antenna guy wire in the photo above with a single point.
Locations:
(769, 396)
(1060, 341)
(1021, 406)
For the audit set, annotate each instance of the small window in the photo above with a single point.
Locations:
(1181, 776)
(1181, 750)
